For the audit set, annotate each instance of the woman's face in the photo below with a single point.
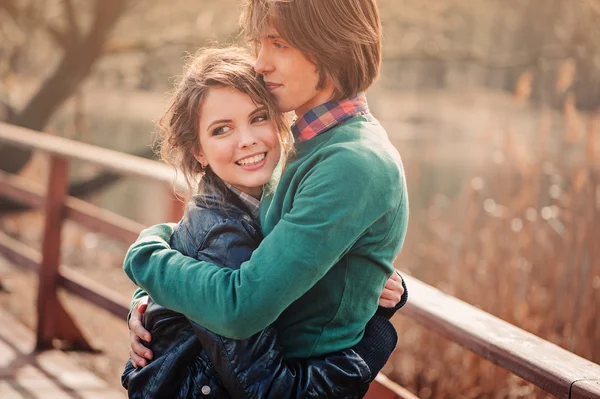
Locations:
(237, 141)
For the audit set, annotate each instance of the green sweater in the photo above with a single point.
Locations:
(332, 229)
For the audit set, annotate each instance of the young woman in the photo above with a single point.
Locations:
(223, 125)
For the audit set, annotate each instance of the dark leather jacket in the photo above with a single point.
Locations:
(192, 362)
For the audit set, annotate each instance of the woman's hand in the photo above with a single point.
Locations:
(137, 351)
(392, 292)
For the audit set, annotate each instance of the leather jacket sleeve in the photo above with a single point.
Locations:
(255, 368)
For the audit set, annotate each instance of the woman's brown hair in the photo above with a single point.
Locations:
(178, 128)
(341, 37)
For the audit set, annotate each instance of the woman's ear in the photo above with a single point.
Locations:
(199, 155)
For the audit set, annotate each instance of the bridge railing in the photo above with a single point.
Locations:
(556, 370)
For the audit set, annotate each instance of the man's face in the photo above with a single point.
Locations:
(289, 75)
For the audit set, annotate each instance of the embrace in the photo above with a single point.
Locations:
(279, 281)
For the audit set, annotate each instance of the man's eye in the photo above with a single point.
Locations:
(221, 130)
(260, 118)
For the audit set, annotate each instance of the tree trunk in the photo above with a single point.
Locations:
(80, 55)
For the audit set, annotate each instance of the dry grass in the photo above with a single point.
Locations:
(519, 241)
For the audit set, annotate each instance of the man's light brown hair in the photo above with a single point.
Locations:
(342, 37)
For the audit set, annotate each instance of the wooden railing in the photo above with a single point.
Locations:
(544, 364)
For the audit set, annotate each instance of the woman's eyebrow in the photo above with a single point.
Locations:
(259, 109)
(217, 122)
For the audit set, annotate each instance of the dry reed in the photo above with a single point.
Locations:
(521, 242)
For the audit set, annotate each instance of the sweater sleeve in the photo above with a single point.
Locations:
(337, 201)
(389, 312)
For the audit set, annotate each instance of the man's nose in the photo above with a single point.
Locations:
(263, 64)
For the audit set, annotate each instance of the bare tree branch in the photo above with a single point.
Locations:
(10, 8)
(60, 38)
(7, 113)
(75, 65)
(594, 5)
(64, 38)
(73, 28)
(131, 4)
(120, 46)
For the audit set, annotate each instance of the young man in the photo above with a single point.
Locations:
(338, 217)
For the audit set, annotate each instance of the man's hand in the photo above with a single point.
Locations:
(137, 351)
(392, 292)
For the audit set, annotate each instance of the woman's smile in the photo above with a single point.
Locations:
(237, 140)
(253, 162)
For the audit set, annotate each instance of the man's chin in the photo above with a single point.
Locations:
(284, 106)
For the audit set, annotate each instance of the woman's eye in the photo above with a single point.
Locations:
(220, 130)
(279, 45)
(260, 118)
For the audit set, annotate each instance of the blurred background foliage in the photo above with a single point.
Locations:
(493, 104)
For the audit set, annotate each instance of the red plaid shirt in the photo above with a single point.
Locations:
(327, 116)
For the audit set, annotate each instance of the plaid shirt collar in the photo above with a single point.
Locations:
(326, 116)
(248, 200)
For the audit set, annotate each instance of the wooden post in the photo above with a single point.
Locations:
(53, 320)
(384, 388)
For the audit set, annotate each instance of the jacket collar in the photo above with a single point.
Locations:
(222, 198)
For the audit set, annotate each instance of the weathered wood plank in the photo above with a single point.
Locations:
(588, 389)
(106, 298)
(8, 392)
(7, 355)
(384, 388)
(50, 374)
(102, 221)
(88, 215)
(21, 190)
(546, 365)
(77, 283)
(121, 163)
(20, 254)
(15, 334)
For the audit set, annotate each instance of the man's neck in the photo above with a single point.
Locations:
(322, 97)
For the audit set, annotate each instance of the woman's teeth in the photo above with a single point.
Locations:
(251, 160)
